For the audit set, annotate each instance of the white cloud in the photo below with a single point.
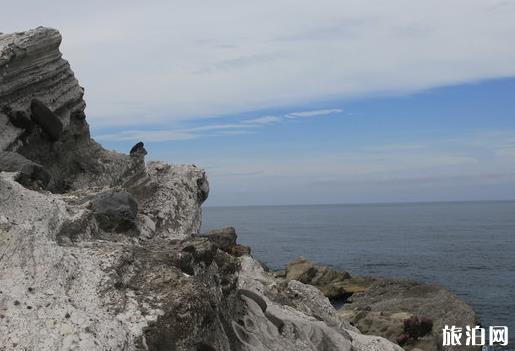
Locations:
(144, 62)
(147, 135)
(263, 120)
(220, 127)
(224, 129)
(314, 113)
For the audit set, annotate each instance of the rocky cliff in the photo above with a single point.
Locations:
(100, 250)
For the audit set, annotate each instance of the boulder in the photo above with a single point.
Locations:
(115, 211)
(223, 238)
(331, 282)
(19, 119)
(238, 250)
(138, 149)
(30, 174)
(46, 119)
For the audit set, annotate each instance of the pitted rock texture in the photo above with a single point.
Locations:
(108, 257)
(402, 310)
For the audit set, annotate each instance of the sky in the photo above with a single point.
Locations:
(301, 102)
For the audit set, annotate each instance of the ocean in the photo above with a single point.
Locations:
(468, 247)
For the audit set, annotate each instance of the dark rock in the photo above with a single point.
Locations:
(402, 339)
(238, 250)
(31, 174)
(203, 189)
(223, 238)
(253, 296)
(138, 149)
(416, 327)
(115, 211)
(331, 282)
(20, 119)
(46, 119)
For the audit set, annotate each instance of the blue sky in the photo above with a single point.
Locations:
(443, 144)
(297, 101)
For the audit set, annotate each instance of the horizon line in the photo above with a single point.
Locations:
(365, 203)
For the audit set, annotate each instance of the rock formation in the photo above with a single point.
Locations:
(330, 282)
(409, 313)
(100, 251)
(225, 239)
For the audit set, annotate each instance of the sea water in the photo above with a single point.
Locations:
(468, 247)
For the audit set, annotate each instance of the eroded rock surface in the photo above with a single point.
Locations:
(106, 255)
(401, 310)
(408, 313)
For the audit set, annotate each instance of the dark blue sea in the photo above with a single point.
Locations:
(469, 247)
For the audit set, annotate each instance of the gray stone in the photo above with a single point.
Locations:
(223, 238)
(46, 119)
(157, 286)
(115, 211)
(392, 307)
(20, 119)
(31, 174)
(331, 282)
(138, 149)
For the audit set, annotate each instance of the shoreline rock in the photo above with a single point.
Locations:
(225, 239)
(409, 313)
(70, 280)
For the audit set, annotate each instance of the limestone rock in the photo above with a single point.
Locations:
(306, 322)
(31, 67)
(82, 267)
(42, 114)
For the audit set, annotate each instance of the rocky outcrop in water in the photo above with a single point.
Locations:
(330, 282)
(408, 313)
(101, 251)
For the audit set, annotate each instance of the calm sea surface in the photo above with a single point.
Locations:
(468, 247)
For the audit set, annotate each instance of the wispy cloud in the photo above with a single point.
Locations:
(151, 135)
(241, 127)
(314, 113)
(343, 49)
(263, 120)
(220, 127)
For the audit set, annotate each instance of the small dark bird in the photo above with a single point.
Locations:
(139, 148)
